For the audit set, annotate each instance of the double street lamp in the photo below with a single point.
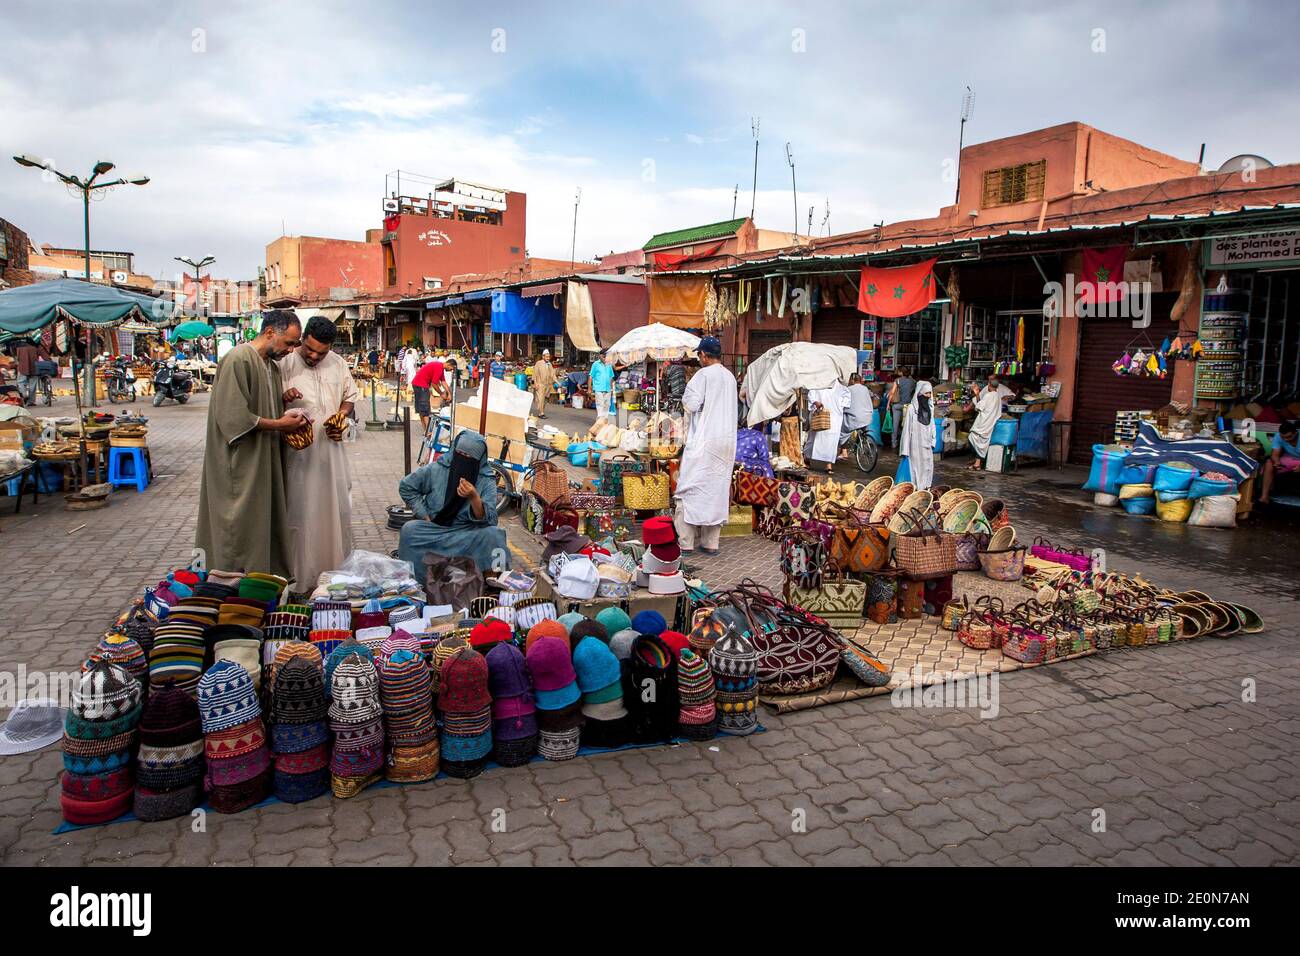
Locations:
(87, 186)
(197, 267)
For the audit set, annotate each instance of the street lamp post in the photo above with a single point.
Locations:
(197, 267)
(86, 186)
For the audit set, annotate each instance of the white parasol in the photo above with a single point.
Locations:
(657, 342)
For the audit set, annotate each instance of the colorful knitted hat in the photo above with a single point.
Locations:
(227, 697)
(117, 648)
(595, 665)
(170, 719)
(614, 619)
(487, 635)
(507, 672)
(105, 692)
(550, 664)
(464, 683)
(588, 628)
(341, 653)
(559, 744)
(705, 634)
(694, 680)
(299, 693)
(676, 641)
(734, 656)
(549, 627)
(355, 692)
(649, 622)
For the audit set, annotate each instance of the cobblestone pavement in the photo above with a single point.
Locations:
(1160, 739)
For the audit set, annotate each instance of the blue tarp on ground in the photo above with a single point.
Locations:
(512, 313)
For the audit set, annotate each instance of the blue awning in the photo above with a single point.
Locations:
(513, 314)
(480, 294)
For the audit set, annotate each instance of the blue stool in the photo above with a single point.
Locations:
(126, 467)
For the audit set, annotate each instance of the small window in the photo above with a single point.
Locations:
(390, 264)
(1014, 184)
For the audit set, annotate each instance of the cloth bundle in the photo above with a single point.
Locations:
(300, 735)
(170, 763)
(234, 738)
(466, 708)
(356, 718)
(406, 694)
(99, 736)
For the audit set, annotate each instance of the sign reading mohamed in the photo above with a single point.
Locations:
(1247, 252)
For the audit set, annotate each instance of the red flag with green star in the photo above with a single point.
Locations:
(892, 293)
(1102, 268)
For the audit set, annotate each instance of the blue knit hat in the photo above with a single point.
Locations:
(649, 622)
(595, 663)
(557, 699)
(570, 619)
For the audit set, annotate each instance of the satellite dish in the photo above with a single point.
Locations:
(1244, 161)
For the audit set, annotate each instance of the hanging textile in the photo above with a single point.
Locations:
(1102, 269)
(1020, 340)
(512, 314)
(893, 293)
(618, 307)
(678, 301)
(669, 261)
(579, 319)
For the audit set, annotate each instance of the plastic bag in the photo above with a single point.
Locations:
(1106, 467)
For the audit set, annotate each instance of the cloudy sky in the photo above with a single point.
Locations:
(253, 117)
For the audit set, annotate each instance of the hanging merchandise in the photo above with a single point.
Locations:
(1121, 364)
(1020, 340)
(744, 296)
(957, 356)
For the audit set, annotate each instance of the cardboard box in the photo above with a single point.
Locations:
(498, 423)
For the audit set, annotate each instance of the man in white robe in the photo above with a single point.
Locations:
(988, 408)
(916, 441)
(318, 480)
(709, 455)
(824, 445)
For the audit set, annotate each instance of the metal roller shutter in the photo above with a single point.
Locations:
(1100, 393)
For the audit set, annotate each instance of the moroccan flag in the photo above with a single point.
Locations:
(891, 293)
(1101, 269)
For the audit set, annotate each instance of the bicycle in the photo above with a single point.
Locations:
(862, 447)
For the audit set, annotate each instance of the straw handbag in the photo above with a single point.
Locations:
(926, 554)
(646, 492)
(549, 482)
(820, 421)
(856, 545)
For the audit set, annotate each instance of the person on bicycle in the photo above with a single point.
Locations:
(862, 408)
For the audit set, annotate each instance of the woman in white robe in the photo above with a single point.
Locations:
(988, 409)
(825, 445)
(917, 441)
(709, 455)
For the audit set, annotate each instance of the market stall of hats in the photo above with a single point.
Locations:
(213, 691)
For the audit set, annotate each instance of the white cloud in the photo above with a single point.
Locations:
(413, 104)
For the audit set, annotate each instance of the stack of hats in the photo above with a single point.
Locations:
(698, 717)
(170, 763)
(290, 650)
(650, 690)
(406, 693)
(405, 616)
(339, 655)
(116, 648)
(514, 709)
(290, 622)
(734, 662)
(99, 735)
(262, 587)
(600, 680)
(661, 564)
(248, 611)
(230, 579)
(300, 735)
(234, 738)
(327, 641)
(706, 632)
(180, 646)
(559, 704)
(327, 615)
(356, 718)
(241, 643)
(466, 708)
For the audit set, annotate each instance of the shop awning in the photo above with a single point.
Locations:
(513, 314)
(619, 307)
(549, 288)
(32, 307)
(480, 294)
(678, 301)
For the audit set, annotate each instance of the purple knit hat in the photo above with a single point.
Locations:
(550, 664)
(507, 672)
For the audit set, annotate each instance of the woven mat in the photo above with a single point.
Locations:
(903, 647)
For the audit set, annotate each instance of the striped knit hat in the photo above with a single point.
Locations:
(227, 697)
(105, 692)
